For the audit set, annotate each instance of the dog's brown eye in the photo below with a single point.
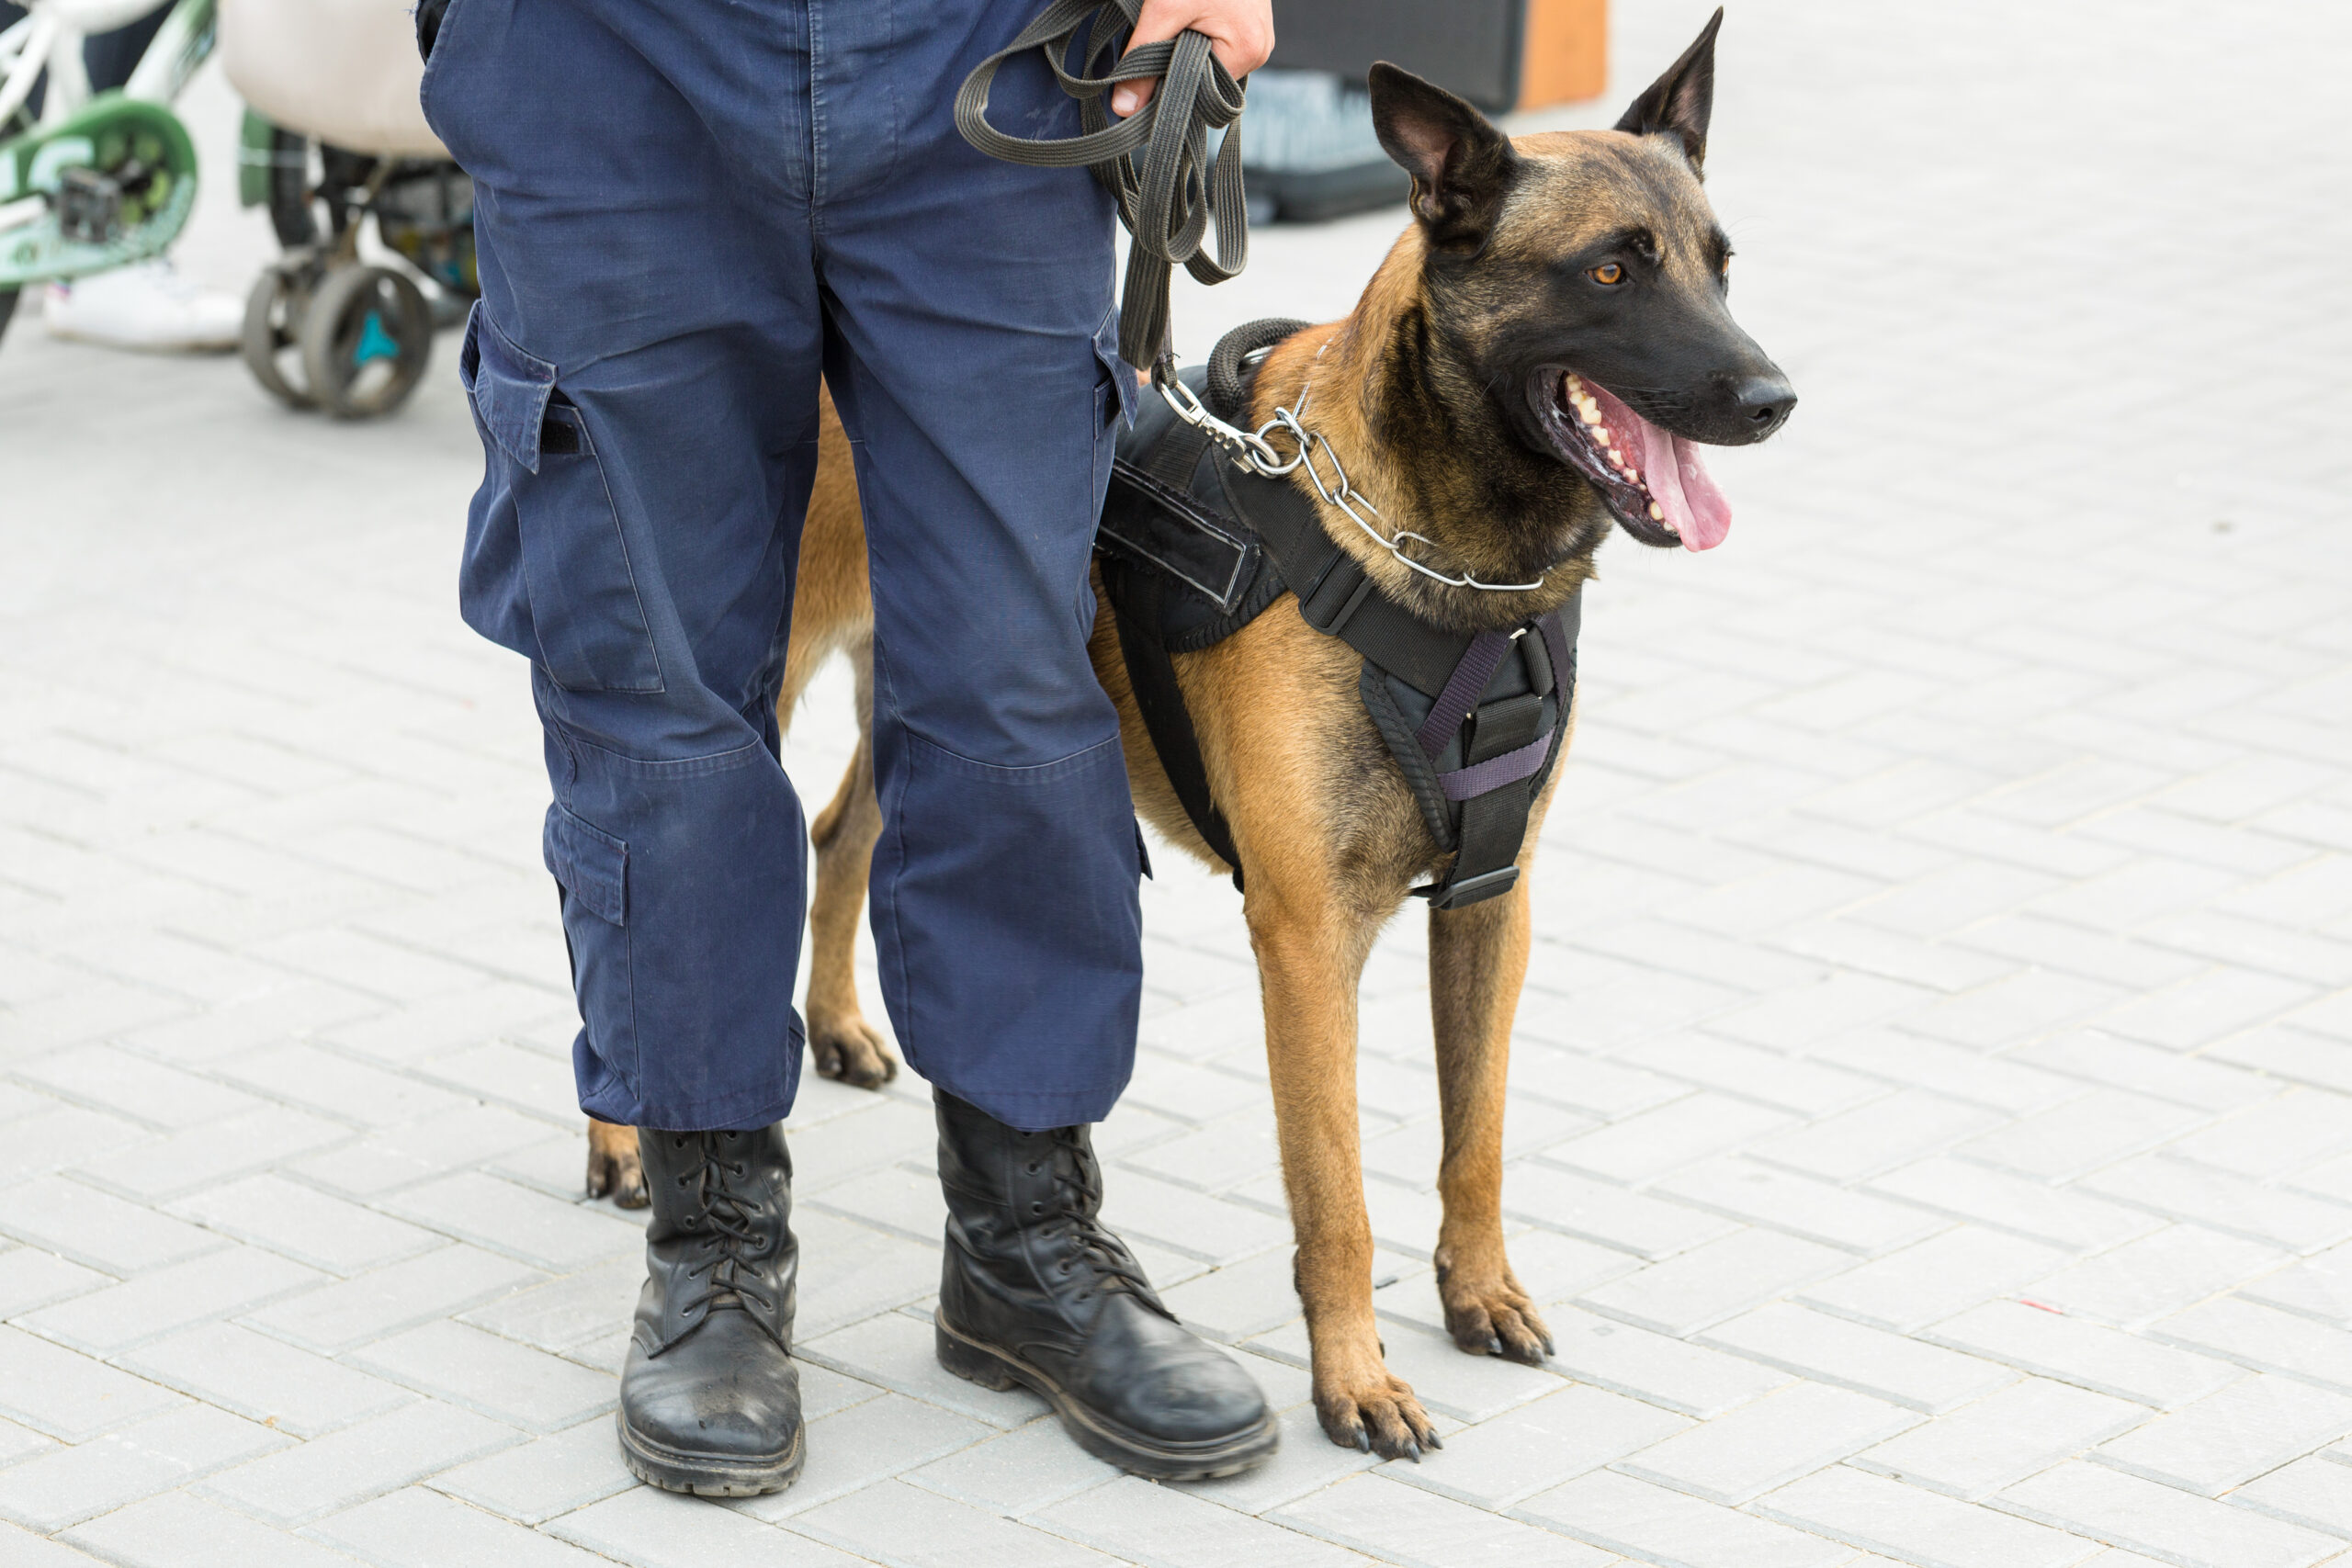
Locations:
(1606, 272)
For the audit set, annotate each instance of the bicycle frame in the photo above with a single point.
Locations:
(66, 165)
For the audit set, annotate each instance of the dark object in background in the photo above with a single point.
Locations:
(1499, 54)
(1308, 152)
(1307, 149)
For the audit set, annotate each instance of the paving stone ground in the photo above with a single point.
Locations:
(1931, 1130)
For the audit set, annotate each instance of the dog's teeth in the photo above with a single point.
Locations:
(1589, 412)
(1616, 457)
(1632, 476)
(1657, 513)
(1600, 434)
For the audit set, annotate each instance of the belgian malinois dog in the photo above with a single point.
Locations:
(1539, 357)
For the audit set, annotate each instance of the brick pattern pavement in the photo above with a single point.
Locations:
(1932, 1124)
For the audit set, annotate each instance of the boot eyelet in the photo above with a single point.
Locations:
(1036, 1208)
(1035, 1166)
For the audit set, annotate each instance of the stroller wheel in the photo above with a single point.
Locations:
(366, 336)
(272, 328)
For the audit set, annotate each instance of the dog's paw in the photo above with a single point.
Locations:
(1376, 1415)
(852, 1052)
(1493, 1319)
(614, 1169)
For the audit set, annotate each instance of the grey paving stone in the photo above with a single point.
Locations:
(1023, 1471)
(1559, 1200)
(1815, 1211)
(22, 1548)
(1656, 1368)
(234, 1278)
(2258, 1335)
(894, 1523)
(868, 1442)
(1620, 1514)
(569, 1311)
(2002, 1438)
(418, 1528)
(1644, 1147)
(1160, 1527)
(403, 1156)
(898, 1351)
(2158, 1274)
(852, 1271)
(2173, 1525)
(535, 1480)
(1871, 1138)
(1714, 1282)
(30, 1278)
(1401, 1524)
(1917, 1527)
(70, 1396)
(359, 1461)
(97, 1228)
(1786, 1434)
(264, 1379)
(212, 1151)
(397, 1296)
(2229, 1437)
(503, 1380)
(1945, 1274)
(547, 1233)
(2037, 1339)
(2315, 1493)
(1851, 1355)
(653, 1529)
(63, 1487)
(305, 1224)
(177, 1531)
(1512, 1456)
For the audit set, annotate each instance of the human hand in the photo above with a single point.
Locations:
(1240, 34)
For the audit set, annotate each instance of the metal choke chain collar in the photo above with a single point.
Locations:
(1252, 450)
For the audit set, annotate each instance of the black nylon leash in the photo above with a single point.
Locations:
(1167, 199)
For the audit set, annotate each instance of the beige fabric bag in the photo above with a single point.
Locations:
(343, 70)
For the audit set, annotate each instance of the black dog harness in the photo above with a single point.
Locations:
(1194, 547)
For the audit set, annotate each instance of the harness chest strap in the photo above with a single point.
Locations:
(1507, 747)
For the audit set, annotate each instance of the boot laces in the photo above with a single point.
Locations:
(728, 1216)
(1078, 1186)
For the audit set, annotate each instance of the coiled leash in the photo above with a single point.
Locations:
(1168, 197)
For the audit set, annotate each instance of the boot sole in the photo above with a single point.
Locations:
(991, 1368)
(705, 1476)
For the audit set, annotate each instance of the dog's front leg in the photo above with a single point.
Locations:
(1477, 960)
(1310, 956)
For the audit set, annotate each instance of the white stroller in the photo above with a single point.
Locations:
(334, 138)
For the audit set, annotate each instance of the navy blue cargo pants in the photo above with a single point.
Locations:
(686, 212)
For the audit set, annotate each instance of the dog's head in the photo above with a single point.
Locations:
(1575, 285)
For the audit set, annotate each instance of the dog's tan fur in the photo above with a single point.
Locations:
(1326, 826)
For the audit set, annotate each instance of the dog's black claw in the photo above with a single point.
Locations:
(1550, 1350)
(1494, 1345)
(1412, 1452)
(1363, 1440)
(1433, 1442)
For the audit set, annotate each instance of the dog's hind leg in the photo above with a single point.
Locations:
(1310, 956)
(613, 1167)
(1477, 960)
(845, 1046)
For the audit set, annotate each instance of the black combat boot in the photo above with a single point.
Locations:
(1036, 1293)
(710, 1400)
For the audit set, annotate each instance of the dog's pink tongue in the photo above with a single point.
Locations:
(1678, 480)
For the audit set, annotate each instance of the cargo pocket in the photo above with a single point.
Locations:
(587, 622)
(1115, 392)
(590, 870)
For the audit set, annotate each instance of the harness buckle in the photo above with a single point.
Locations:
(1475, 889)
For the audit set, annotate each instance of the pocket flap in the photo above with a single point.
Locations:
(1106, 350)
(592, 864)
(510, 388)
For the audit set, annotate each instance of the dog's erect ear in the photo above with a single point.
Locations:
(1461, 164)
(1679, 103)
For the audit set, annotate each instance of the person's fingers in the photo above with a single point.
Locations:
(1240, 33)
